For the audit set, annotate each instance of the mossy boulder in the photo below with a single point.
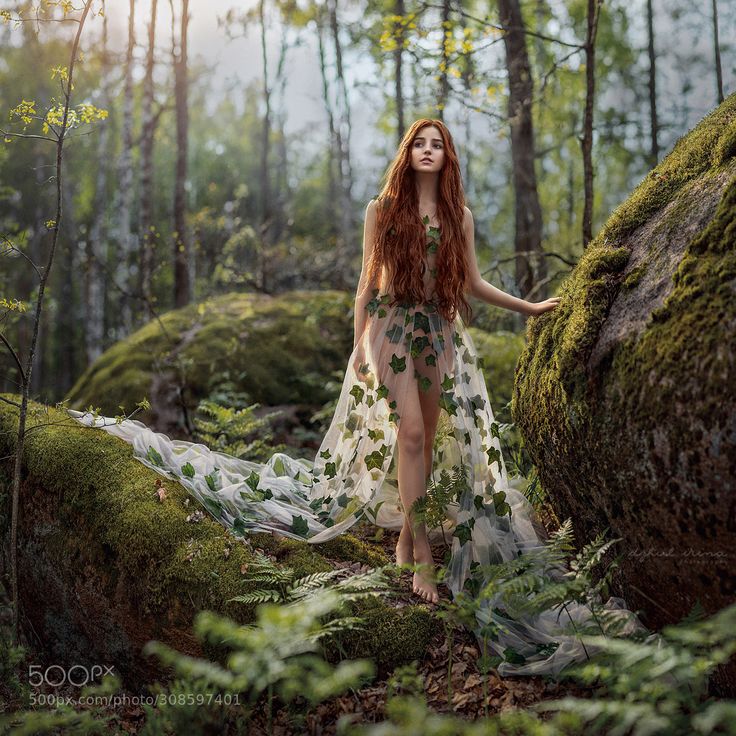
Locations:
(105, 566)
(625, 392)
(276, 350)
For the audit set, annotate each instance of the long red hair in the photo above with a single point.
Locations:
(400, 240)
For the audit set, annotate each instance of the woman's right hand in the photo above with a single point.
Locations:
(537, 308)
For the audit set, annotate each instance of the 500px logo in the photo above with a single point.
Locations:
(55, 675)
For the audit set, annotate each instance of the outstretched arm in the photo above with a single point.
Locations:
(364, 291)
(478, 287)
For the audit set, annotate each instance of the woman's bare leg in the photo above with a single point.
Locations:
(405, 545)
(411, 472)
(415, 448)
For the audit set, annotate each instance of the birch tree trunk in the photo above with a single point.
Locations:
(148, 240)
(125, 189)
(265, 183)
(717, 53)
(398, 70)
(182, 255)
(343, 128)
(96, 255)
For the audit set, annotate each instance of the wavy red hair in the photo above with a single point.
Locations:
(400, 236)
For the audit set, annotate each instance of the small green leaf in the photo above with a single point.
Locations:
(155, 457)
(188, 470)
(299, 526)
(463, 533)
(357, 392)
(398, 364)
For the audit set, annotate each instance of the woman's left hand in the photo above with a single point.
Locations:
(537, 308)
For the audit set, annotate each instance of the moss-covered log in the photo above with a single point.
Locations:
(625, 392)
(104, 565)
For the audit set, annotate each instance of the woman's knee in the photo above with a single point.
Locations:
(411, 437)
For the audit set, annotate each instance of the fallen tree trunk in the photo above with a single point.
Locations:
(106, 564)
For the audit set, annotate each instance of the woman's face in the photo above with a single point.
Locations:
(427, 150)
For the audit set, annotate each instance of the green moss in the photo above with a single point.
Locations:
(551, 395)
(169, 566)
(393, 635)
(634, 276)
(274, 349)
(707, 146)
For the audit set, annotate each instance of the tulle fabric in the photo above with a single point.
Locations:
(406, 349)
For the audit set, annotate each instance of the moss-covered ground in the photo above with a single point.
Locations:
(92, 519)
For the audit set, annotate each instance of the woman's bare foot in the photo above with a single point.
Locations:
(422, 583)
(405, 548)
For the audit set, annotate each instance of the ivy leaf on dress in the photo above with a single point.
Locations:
(448, 403)
(418, 346)
(425, 383)
(155, 457)
(463, 533)
(421, 322)
(394, 333)
(299, 526)
(397, 364)
(493, 455)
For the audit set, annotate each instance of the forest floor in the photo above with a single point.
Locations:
(461, 690)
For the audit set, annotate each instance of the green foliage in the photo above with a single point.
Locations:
(236, 432)
(284, 584)
(277, 656)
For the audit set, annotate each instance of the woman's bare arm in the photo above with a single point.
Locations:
(478, 287)
(364, 293)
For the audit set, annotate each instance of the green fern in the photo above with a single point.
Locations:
(237, 432)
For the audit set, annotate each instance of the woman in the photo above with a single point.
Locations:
(413, 407)
(423, 185)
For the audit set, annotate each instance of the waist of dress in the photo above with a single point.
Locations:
(386, 298)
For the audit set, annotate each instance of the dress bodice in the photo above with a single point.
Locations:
(429, 276)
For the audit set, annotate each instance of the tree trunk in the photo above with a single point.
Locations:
(125, 188)
(265, 183)
(528, 238)
(148, 240)
(398, 67)
(587, 140)
(332, 154)
(345, 170)
(94, 298)
(717, 50)
(182, 256)
(654, 154)
(444, 87)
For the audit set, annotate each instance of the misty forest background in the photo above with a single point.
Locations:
(204, 180)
